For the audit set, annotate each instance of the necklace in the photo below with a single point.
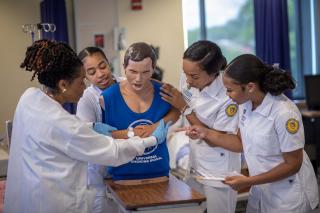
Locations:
(47, 92)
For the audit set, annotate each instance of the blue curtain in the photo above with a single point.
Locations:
(272, 32)
(54, 11)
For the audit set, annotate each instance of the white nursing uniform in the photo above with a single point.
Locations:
(88, 109)
(216, 110)
(273, 128)
(49, 156)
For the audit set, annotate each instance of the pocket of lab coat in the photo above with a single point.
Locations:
(286, 193)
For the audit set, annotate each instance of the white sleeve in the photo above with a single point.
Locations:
(87, 145)
(227, 118)
(290, 131)
(86, 108)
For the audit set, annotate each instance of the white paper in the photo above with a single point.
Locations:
(219, 177)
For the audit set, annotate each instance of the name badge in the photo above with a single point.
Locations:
(187, 95)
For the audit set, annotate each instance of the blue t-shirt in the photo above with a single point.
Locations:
(155, 160)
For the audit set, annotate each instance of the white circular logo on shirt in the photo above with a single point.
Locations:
(144, 122)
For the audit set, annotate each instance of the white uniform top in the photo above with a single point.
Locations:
(88, 109)
(216, 110)
(271, 129)
(49, 157)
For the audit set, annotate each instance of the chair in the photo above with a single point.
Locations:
(8, 132)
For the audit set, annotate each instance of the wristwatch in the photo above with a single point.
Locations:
(130, 133)
(187, 111)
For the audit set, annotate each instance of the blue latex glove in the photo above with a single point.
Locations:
(103, 128)
(161, 131)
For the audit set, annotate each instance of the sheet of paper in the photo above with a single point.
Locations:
(201, 175)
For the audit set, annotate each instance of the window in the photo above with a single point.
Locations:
(293, 23)
(191, 21)
(304, 46)
(228, 23)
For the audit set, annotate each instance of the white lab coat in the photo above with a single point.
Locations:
(265, 136)
(210, 106)
(49, 156)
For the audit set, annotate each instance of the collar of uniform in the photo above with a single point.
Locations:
(214, 88)
(97, 89)
(265, 107)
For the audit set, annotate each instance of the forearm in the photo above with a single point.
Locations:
(194, 120)
(281, 171)
(277, 173)
(141, 131)
(120, 134)
(230, 142)
(172, 115)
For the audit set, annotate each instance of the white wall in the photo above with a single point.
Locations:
(13, 43)
(96, 17)
(160, 24)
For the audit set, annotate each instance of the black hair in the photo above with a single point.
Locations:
(249, 68)
(89, 51)
(139, 51)
(209, 56)
(51, 61)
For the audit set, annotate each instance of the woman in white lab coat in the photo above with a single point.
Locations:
(51, 148)
(272, 136)
(203, 101)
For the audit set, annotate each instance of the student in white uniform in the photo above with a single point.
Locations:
(271, 133)
(51, 148)
(98, 73)
(204, 101)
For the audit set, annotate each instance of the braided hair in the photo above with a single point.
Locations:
(51, 61)
(209, 56)
(249, 68)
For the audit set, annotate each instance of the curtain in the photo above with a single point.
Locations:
(54, 11)
(272, 32)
